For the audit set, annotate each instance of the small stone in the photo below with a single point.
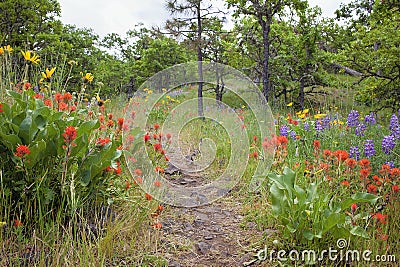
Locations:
(203, 247)
(173, 263)
(208, 237)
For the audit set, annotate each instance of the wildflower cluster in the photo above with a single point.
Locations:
(347, 158)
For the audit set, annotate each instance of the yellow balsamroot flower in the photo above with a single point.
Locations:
(100, 101)
(31, 57)
(87, 77)
(290, 104)
(302, 113)
(301, 116)
(319, 116)
(48, 73)
(8, 48)
(1, 50)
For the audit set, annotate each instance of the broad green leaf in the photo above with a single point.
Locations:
(18, 119)
(332, 220)
(87, 127)
(14, 94)
(40, 122)
(6, 110)
(85, 177)
(56, 116)
(27, 129)
(359, 197)
(37, 153)
(358, 231)
(10, 140)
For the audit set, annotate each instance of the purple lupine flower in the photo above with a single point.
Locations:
(326, 122)
(352, 118)
(318, 125)
(354, 152)
(390, 163)
(394, 126)
(360, 129)
(388, 143)
(284, 129)
(293, 135)
(306, 126)
(370, 118)
(369, 148)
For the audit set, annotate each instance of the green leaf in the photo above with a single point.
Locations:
(86, 175)
(18, 119)
(6, 110)
(10, 140)
(27, 130)
(56, 116)
(14, 94)
(276, 197)
(87, 127)
(332, 220)
(359, 197)
(40, 121)
(37, 153)
(358, 231)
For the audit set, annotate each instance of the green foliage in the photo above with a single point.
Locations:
(374, 51)
(311, 213)
(71, 171)
(25, 22)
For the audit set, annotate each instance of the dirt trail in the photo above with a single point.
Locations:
(210, 235)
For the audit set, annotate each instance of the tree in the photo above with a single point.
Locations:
(197, 12)
(264, 11)
(303, 55)
(374, 52)
(29, 24)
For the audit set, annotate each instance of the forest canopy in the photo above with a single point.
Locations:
(285, 47)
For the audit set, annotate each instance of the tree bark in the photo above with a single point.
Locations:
(200, 64)
(266, 43)
(347, 70)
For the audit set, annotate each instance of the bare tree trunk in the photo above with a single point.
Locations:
(265, 77)
(200, 64)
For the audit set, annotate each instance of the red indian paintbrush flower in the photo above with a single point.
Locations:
(120, 123)
(317, 144)
(69, 134)
(22, 151)
(380, 217)
(341, 155)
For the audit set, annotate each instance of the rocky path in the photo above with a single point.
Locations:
(210, 235)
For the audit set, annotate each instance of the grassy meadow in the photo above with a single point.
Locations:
(68, 198)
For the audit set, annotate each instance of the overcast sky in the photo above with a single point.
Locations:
(119, 16)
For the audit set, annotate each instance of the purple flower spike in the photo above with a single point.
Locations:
(369, 148)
